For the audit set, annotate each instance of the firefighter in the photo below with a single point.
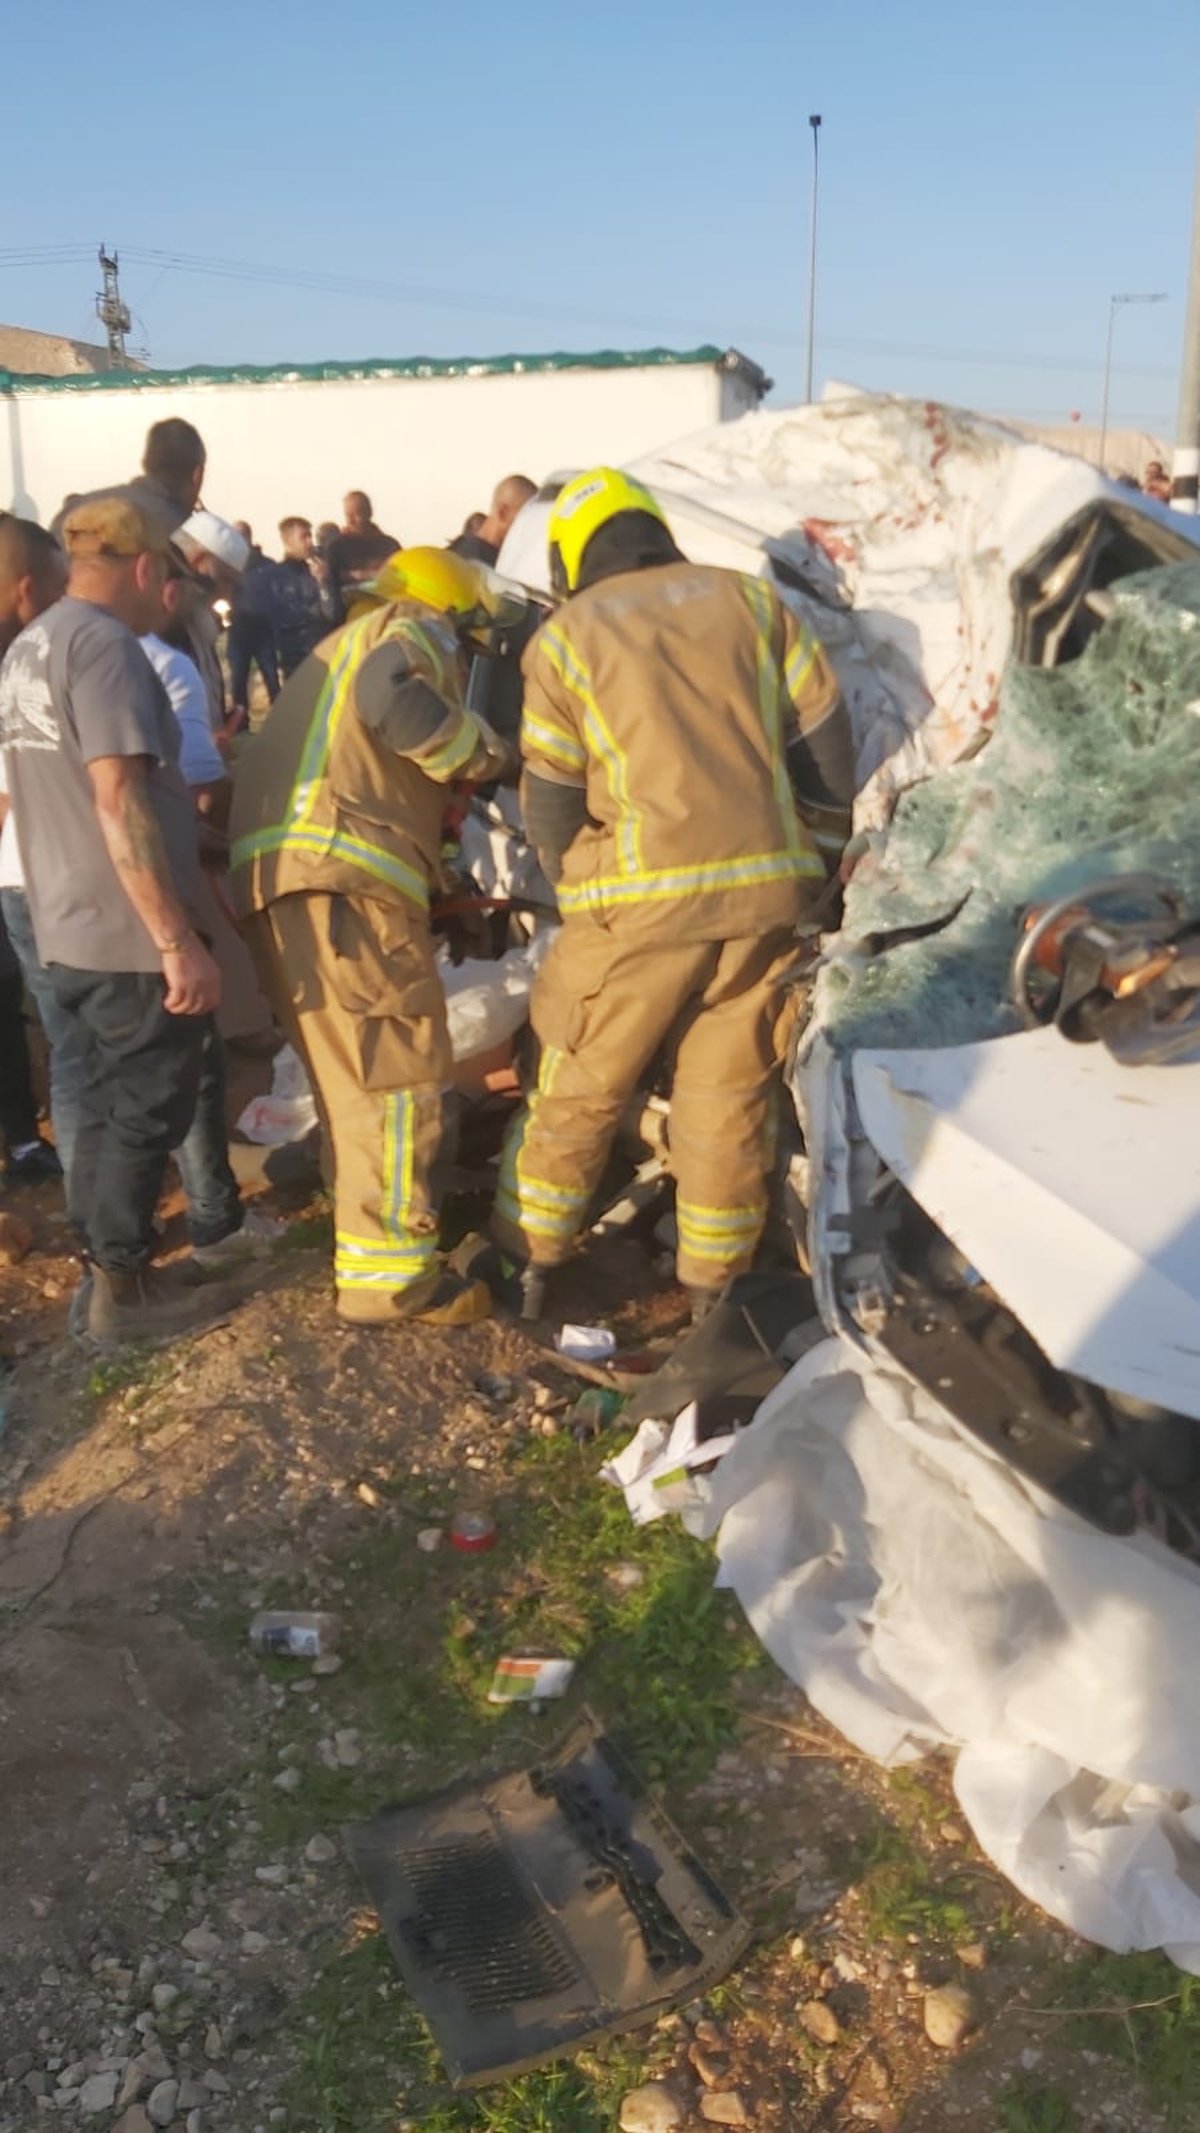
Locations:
(688, 776)
(336, 852)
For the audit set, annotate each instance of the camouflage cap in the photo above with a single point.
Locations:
(115, 525)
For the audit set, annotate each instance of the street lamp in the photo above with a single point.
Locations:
(815, 123)
(1113, 303)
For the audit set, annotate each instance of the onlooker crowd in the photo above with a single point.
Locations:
(116, 715)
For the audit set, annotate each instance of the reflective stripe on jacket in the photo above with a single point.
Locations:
(671, 696)
(322, 801)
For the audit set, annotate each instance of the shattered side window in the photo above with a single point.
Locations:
(1092, 770)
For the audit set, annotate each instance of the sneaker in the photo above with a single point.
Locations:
(36, 1164)
(145, 1306)
(442, 1299)
(258, 1233)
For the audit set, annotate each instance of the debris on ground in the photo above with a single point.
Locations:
(518, 1680)
(586, 1344)
(539, 1911)
(295, 1635)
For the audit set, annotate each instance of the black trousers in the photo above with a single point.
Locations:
(143, 1072)
(251, 643)
(18, 1106)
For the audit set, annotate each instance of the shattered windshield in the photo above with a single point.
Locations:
(1092, 770)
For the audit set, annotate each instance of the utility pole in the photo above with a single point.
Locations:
(113, 314)
(1116, 303)
(1185, 468)
(815, 123)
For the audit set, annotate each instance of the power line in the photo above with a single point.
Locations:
(481, 305)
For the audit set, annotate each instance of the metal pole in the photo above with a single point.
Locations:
(1113, 301)
(815, 123)
(1185, 467)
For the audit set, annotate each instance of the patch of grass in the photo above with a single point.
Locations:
(661, 1663)
(917, 1804)
(1143, 2011)
(131, 1367)
(1026, 2108)
(366, 2064)
(900, 1892)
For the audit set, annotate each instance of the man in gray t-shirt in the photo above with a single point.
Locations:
(108, 840)
(77, 687)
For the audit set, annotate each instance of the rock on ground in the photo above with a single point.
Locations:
(950, 2015)
(724, 2107)
(99, 2093)
(161, 2102)
(819, 2021)
(651, 2109)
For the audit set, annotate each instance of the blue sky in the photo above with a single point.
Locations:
(536, 176)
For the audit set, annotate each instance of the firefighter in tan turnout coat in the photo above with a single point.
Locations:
(336, 843)
(688, 776)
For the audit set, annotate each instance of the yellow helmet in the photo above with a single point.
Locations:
(445, 582)
(583, 506)
(486, 605)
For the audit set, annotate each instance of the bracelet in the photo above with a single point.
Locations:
(173, 947)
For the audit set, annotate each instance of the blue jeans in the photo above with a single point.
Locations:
(202, 1158)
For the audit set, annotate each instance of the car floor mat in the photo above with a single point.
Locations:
(533, 1912)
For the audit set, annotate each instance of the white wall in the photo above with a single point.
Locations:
(428, 451)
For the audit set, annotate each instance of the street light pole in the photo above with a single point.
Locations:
(1114, 303)
(815, 123)
(1185, 471)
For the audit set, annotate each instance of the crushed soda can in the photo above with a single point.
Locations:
(289, 1633)
(472, 1532)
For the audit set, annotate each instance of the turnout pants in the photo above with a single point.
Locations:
(353, 984)
(602, 1009)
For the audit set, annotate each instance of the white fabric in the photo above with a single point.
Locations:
(288, 1111)
(199, 757)
(487, 1001)
(920, 1592)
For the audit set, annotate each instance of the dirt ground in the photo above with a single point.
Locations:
(182, 1943)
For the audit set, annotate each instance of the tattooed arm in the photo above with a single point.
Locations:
(130, 830)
